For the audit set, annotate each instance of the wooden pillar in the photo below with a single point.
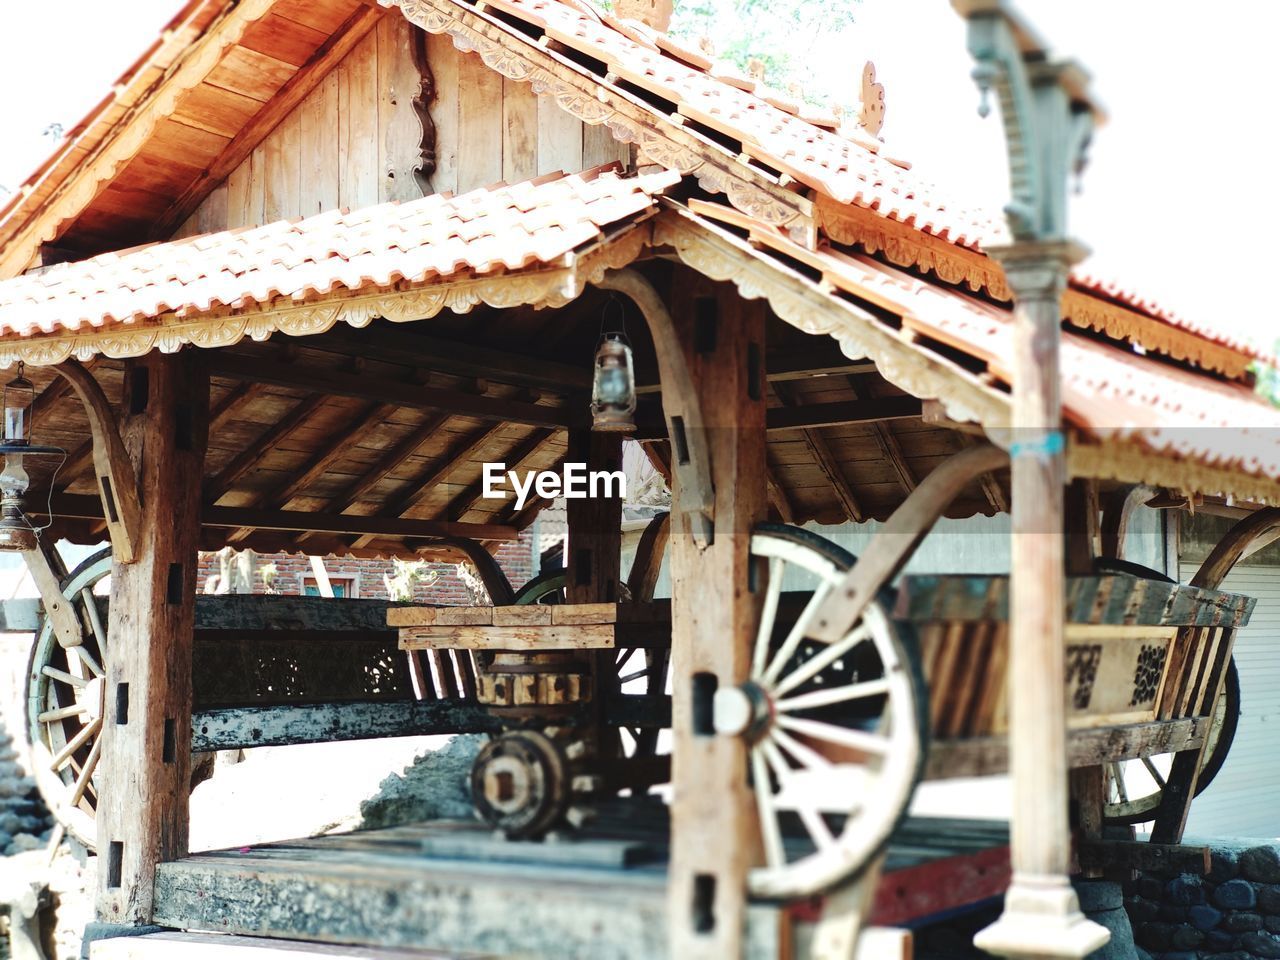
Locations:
(144, 776)
(714, 837)
(1041, 916)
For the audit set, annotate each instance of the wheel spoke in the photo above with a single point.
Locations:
(625, 654)
(797, 633)
(63, 713)
(842, 736)
(816, 664)
(1155, 774)
(56, 674)
(75, 743)
(1117, 774)
(770, 833)
(833, 695)
(823, 838)
(768, 615)
(82, 781)
(635, 675)
(94, 667)
(806, 756)
(95, 619)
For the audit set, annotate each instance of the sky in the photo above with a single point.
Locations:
(1178, 201)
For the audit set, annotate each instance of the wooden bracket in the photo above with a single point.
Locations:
(690, 453)
(892, 545)
(47, 571)
(117, 482)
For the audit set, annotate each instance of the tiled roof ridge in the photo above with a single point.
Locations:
(893, 192)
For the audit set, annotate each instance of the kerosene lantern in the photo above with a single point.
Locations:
(613, 390)
(19, 397)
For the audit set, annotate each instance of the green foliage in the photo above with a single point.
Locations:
(779, 33)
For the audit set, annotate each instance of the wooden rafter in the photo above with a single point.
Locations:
(841, 413)
(889, 445)
(778, 497)
(822, 456)
(319, 462)
(464, 502)
(991, 488)
(255, 452)
(340, 383)
(422, 486)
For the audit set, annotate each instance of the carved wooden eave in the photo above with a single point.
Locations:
(133, 130)
(809, 307)
(548, 286)
(1130, 463)
(905, 246)
(629, 120)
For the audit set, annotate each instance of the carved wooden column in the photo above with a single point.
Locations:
(714, 838)
(144, 776)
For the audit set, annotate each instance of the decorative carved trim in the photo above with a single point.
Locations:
(1132, 463)
(594, 102)
(905, 246)
(806, 306)
(426, 165)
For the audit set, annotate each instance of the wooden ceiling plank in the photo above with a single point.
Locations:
(840, 413)
(294, 91)
(232, 403)
(342, 384)
(252, 455)
(530, 447)
(889, 445)
(824, 459)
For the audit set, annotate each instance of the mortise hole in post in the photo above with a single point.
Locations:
(109, 500)
(173, 589)
(679, 440)
(122, 704)
(705, 323)
(582, 567)
(115, 864)
(704, 695)
(704, 903)
(753, 371)
(182, 426)
(170, 751)
(139, 388)
(755, 573)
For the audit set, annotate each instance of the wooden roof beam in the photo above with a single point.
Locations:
(889, 446)
(255, 452)
(822, 455)
(340, 383)
(782, 366)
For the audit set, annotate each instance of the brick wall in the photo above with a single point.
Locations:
(515, 558)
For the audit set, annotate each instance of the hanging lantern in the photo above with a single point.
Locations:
(19, 397)
(613, 390)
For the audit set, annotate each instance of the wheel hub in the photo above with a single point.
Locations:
(521, 783)
(742, 711)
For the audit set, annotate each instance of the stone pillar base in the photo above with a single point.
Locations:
(1042, 921)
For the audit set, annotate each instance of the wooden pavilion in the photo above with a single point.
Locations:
(312, 263)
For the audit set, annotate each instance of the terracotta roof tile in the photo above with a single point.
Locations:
(489, 229)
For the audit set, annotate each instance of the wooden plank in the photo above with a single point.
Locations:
(844, 412)
(148, 720)
(358, 125)
(418, 616)
(1171, 859)
(530, 613)
(20, 615)
(400, 130)
(559, 139)
(519, 131)
(479, 134)
(443, 58)
(175, 945)
(318, 137)
(600, 147)
(523, 637)
(231, 728)
(584, 613)
(989, 756)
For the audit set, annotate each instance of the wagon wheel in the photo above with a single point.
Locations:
(1136, 787)
(65, 695)
(835, 732)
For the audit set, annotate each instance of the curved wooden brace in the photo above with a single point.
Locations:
(117, 482)
(893, 544)
(647, 564)
(1234, 546)
(486, 566)
(1116, 511)
(690, 454)
(47, 573)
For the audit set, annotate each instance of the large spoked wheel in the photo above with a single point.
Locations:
(836, 732)
(65, 699)
(1135, 788)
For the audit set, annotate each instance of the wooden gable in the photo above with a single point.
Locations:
(359, 137)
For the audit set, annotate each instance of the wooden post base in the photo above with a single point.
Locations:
(1041, 920)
